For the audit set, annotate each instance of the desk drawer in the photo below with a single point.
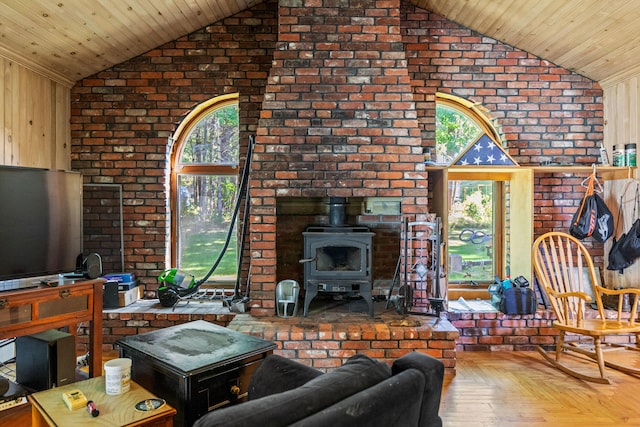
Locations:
(44, 305)
(71, 302)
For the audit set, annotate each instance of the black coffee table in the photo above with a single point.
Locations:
(196, 367)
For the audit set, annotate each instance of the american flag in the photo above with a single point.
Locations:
(484, 152)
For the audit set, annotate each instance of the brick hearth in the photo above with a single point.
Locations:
(326, 340)
(323, 341)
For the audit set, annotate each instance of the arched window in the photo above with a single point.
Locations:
(460, 126)
(204, 181)
(476, 220)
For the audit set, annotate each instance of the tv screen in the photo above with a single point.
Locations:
(40, 221)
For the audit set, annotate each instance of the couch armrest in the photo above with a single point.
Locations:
(277, 374)
(433, 371)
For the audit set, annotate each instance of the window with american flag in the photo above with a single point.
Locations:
(478, 208)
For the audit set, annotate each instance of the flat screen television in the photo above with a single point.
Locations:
(40, 222)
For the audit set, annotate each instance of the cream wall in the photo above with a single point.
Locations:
(621, 126)
(35, 113)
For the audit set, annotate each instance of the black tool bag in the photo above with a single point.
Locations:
(584, 220)
(519, 298)
(626, 249)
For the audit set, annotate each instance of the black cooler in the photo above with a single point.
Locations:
(196, 367)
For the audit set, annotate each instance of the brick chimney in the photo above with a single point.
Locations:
(338, 120)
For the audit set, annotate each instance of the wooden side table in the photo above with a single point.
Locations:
(196, 366)
(48, 408)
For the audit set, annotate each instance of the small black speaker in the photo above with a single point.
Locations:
(110, 295)
(46, 359)
(92, 266)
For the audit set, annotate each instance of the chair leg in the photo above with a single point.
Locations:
(599, 356)
(560, 345)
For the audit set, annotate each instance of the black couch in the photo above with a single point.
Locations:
(362, 392)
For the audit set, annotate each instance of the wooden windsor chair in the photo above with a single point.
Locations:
(559, 261)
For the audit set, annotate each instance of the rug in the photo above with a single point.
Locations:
(477, 306)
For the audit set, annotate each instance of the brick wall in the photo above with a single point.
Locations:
(123, 117)
(101, 207)
(338, 120)
(545, 112)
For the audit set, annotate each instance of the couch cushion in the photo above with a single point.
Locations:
(394, 402)
(358, 373)
(277, 374)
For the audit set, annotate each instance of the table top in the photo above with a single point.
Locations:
(115, 410)
(194, 346)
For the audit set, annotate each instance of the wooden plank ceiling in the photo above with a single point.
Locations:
(74, 39)
(595, 38)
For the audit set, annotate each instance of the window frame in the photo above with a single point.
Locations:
(472, 110)
(177, 168)
(478, 115)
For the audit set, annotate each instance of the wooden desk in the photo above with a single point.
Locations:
(28, 311)
(49, 410)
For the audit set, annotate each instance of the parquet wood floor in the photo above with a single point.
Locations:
(521, 389)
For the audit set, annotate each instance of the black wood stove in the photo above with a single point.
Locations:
(337, 258)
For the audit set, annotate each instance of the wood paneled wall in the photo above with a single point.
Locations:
(622, 126)
(35, 119)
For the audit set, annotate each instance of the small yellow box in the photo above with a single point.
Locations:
(74, 399)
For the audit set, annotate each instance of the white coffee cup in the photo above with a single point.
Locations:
(117, 376)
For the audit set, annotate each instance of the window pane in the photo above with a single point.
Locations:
(471, 221)
(214, 139)
(454, 132)
(205, 208)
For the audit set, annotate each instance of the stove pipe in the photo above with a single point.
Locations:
(337, 211)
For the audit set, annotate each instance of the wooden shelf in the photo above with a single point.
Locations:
(606, 172)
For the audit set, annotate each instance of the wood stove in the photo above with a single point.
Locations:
(337, 258)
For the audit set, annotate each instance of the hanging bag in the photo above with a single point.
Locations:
(584, 221)
(630, 246)
(626, 249)
(604, 220)
(617, 261)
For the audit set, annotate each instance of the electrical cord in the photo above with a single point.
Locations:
(243, 184)
(170, 295)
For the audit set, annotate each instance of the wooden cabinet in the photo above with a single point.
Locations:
(25, 312)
